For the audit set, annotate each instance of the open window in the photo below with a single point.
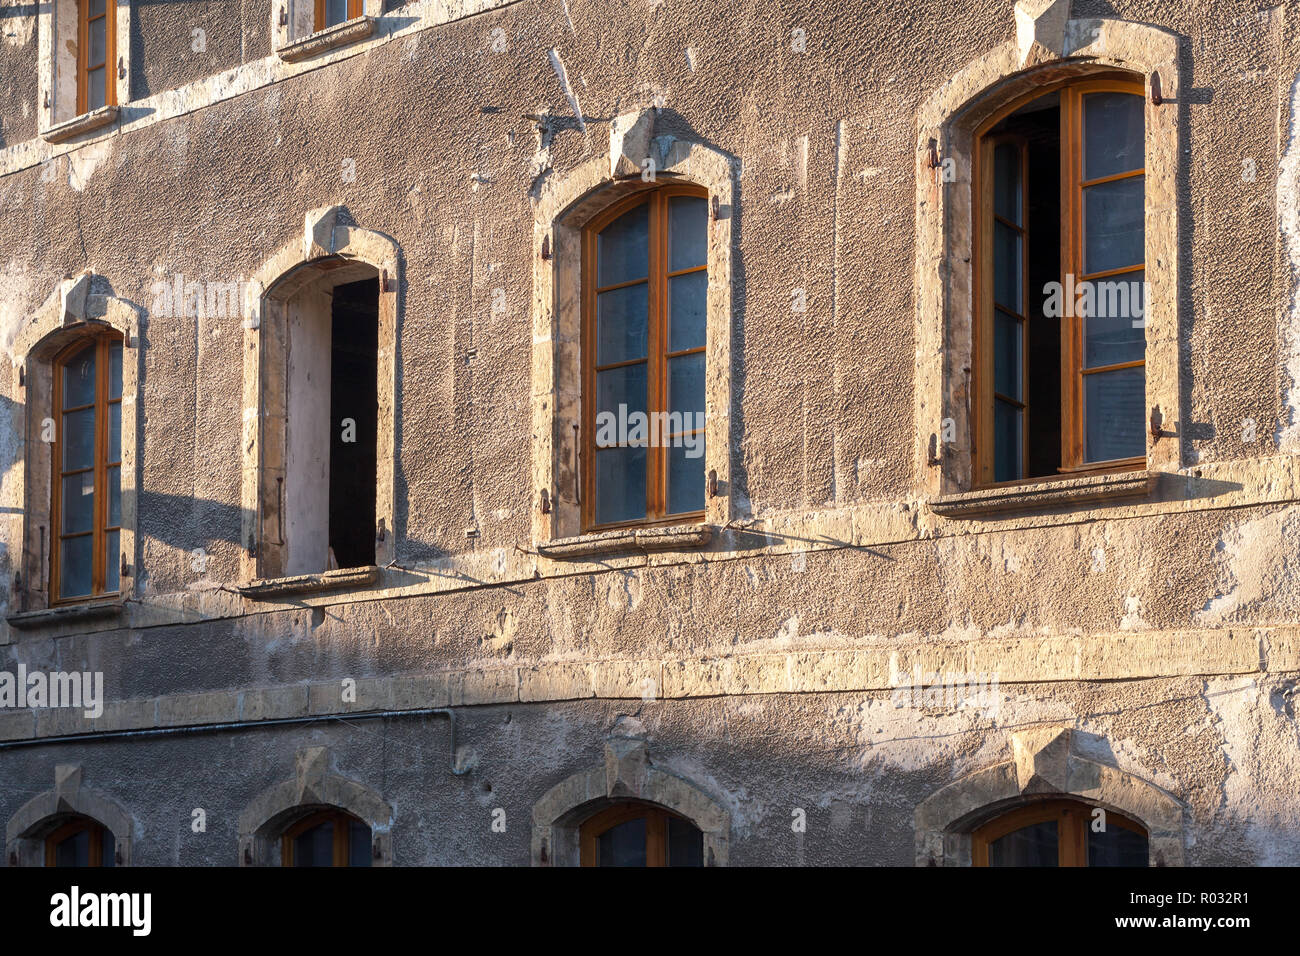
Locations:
(320, 427)
(1059, 340)
(640, 834)
(644, 334)
(326, 838)
(1060, 833)
(86, 490)
(80, 841)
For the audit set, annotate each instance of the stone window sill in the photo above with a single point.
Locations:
(1048, 494)
(628, 540)
(95, 119)
(65, 614)
(311, 583)
(331, 38)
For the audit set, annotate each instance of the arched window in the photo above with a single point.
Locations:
(640, 834)
(1060, 833)
(1060, 341)
(644, 330)
(326, 838)
(80, 841)
(86, 490)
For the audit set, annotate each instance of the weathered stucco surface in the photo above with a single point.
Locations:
(760, 668)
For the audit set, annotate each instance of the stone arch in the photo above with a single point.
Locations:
(626, 774)
(1049, 46)
(314, 787)
(79, 307)
(27, 829)
(1045, 762)
(564, 205)
(330, 251)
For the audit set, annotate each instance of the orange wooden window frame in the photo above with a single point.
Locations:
(84, 66)
(100, 530)
(1071, 239)
(1073, 818)
(342, 821)
(656, 831)
(657, 354)
(355, 9)
(95, 853)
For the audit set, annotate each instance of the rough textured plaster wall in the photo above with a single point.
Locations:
(163, 54)
(823, 403)
(856, 764)
(17, 72)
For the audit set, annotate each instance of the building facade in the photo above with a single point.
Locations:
(540, 432)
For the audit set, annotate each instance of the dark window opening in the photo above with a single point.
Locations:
(354, 415)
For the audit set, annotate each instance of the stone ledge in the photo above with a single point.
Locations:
(95, 119)
(624, 540)
(1046, 494)
(66, 614)
(331, 38)
(311, 583)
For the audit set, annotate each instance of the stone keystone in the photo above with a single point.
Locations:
(630, 137)
(1040, 30)
(312, 765)
(625, 767)
(74, 293)
(67, 781)
(1042, 757)
(318, 232)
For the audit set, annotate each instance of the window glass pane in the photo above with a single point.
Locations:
(623, 845)
(95, 89)
(1006, 267)
(688, 232)
(1108, 333)
(622, 324)
(336, 11)
(358, 844)
(112, 560)
(1007, 363)
(624, 386)
(685, 843)
(620, 484)
(1113, 233)
(110, 848)
(114, 432)
(623, 248)
(96, 7)
(78, 439)
(1007, 445)
(114, 496)
(1113, 414)
(75, 563)
(74, 850)
(96, 31)
(79, 378)
(1113, 139)
(687, 306)
(77, 503)
(686, 390)
(315, 847)
(1006, 182)
(115, 370)
(686, 477)
(1116, 846)
(1033, 845)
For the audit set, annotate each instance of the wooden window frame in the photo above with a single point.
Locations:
(95, 854)
(84, 19)
(342, 821)
(1072, 464)
(656, 360)
(1072, 817)
(102, 343)
(355, 9)
(656, 831)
